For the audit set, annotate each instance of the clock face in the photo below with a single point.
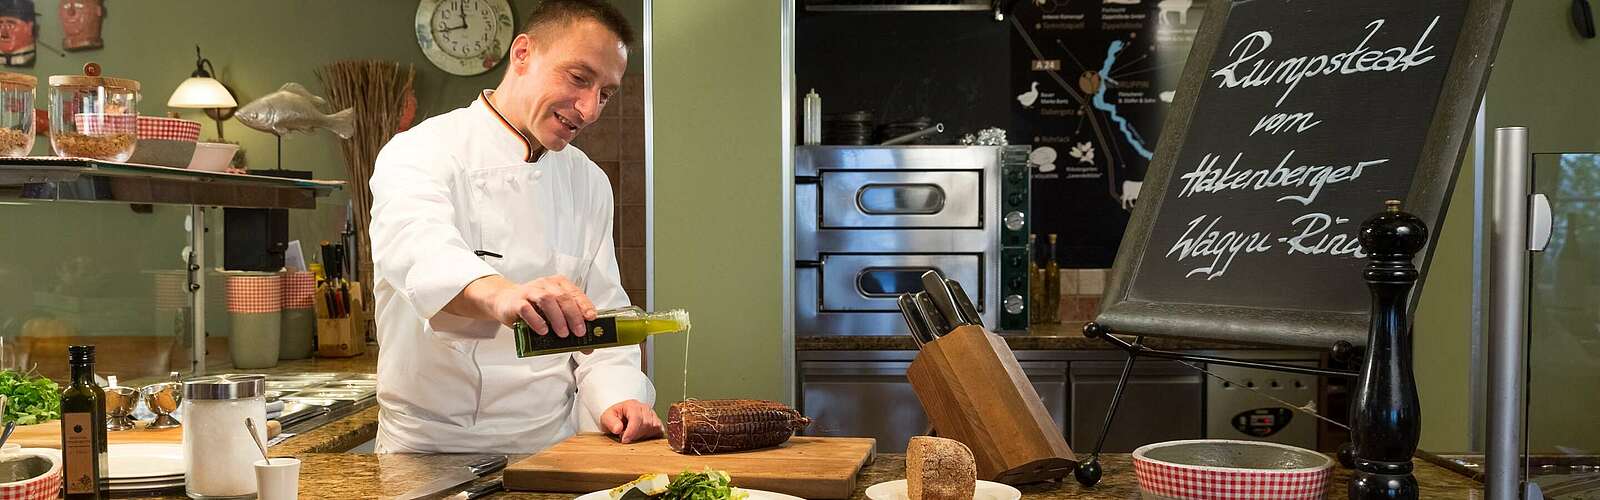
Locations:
(464, 37)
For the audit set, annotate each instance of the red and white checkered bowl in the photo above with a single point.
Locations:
(169, 129)
(42, 487)
(1222, 469)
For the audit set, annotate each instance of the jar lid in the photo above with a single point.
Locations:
(91, 78)
(225, 387)
(19, 78)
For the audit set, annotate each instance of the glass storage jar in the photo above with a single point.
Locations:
(218, 451)
(93, 116)
(16, 113)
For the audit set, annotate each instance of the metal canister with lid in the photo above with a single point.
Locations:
(217, 448)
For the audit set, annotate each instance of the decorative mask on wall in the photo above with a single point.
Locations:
(16, 32)
(80, 21)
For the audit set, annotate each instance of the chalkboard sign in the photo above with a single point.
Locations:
(1294, 121)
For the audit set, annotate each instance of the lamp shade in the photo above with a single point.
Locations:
(201, 92)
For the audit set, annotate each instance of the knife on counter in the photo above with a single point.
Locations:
(969, 312)
(480, 491)
(920, 331)
(454, 478)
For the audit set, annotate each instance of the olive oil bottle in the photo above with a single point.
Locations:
(1052, 285)
(1035, 282)
(83, 430)
(612, 328)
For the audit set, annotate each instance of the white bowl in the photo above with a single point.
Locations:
(213, 156)
(984, 490)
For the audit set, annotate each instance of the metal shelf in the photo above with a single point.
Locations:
(87, 180)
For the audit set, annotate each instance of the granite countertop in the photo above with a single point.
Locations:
(1047, 337)
(348, 475)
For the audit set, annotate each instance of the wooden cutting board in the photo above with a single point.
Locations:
(806, 467)
(48, 435)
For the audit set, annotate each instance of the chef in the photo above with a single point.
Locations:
(486, 215)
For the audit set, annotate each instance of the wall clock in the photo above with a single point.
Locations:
(464, 37)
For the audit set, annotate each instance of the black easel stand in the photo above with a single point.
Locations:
(1385, 421)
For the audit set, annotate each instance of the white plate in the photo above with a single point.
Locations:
(136, 461)
(754, 495)
(896, 490)
(146, 486)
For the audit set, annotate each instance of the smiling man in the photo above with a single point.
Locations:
(486, 215)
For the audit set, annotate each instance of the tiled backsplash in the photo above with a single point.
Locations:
(1080, 293)
(616, 143)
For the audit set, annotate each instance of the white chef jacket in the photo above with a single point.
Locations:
(466, 182)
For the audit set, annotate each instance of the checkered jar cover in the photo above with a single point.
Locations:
(170, 129)
(299, 290)
(1209, 483)
(255, 294)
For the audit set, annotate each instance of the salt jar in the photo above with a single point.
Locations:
(218, 452)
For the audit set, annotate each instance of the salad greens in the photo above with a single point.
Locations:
(34, 399)
(708, 485)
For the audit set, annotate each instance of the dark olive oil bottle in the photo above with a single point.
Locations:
(83, 430)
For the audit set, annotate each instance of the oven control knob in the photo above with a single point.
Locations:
(1014, 220)
(1013, 304)
(1015, 199)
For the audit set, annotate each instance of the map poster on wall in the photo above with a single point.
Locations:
(1093, 80)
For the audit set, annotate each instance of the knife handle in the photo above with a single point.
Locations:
(481, 490)
(940, 295)
(908, 309)
(937, 324)
(488, 466)
(969, 312)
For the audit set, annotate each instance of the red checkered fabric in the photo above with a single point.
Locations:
(1194, 483)
(299, 290)
(170, 129)
(171, 289)
(255, 294)
(38, 488)
(105, 123)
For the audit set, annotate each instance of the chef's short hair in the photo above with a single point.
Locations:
(562, 13)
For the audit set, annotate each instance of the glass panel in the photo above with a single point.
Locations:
(97, 274)
(900, 199)
(890, 282)
(1563, 428)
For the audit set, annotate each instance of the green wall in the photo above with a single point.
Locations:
(256, 46)
(1544, 78)
(718, 197)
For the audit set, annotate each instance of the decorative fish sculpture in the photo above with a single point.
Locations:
(292, 108)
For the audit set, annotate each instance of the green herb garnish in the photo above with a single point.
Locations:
(33, 399)
(708, 485)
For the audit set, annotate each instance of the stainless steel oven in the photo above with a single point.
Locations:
(870, 219)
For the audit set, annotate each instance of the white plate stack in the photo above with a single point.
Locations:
(145, 468)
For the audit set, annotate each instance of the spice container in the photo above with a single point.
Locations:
(16, 113)
(217, 452)
(93, 116)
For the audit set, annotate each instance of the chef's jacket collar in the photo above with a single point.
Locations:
(535, 151)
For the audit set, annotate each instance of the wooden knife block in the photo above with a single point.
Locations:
(975, 392)
(342, 337)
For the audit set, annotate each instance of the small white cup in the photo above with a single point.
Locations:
(278, 481)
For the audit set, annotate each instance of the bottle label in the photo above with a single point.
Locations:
(78, 451)
(602, 333)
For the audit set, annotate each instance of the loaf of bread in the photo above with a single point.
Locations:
(939, 469)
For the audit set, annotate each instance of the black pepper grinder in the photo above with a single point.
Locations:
(1388, 416)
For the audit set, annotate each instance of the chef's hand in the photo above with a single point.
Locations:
(560, 300)
(631, 420)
